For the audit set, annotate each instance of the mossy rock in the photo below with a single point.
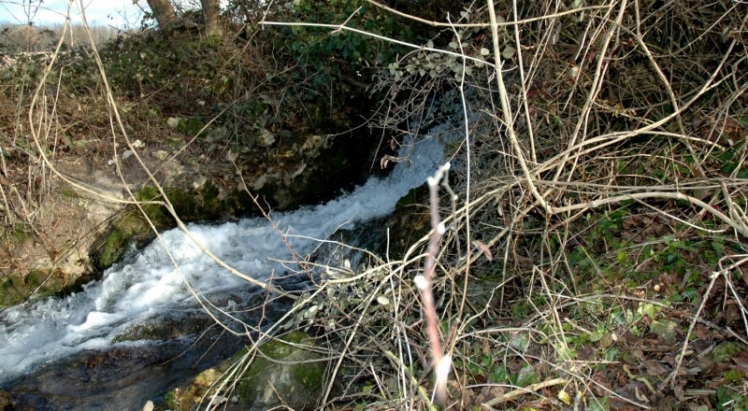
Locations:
(127, 228)
(132, 227)
(296, 377)
(293, 372)
(410, 221)
(17, 288)
(165, 329)
(416, 196)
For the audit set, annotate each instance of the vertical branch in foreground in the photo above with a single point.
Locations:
(441, 363)
(506, 108)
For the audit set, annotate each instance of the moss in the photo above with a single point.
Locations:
(68, 192)
(10, 294)
(163, 329)
(155, 212)
(113, 246)
(310, 377)
(112, 249)
(726, 350)
(300, 381)
(170, 401)
(190, 205)
(36, 278)
(17, 288)
(19, 233)
(190, 126)
(209, 198)
(132, 228)
(140, 332)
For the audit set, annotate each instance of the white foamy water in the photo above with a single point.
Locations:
(149, 284)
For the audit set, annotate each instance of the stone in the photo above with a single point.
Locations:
(294, 380)
(284, 372)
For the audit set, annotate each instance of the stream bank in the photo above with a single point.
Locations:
(84, 227)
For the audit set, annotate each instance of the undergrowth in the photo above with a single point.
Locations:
(593, 249)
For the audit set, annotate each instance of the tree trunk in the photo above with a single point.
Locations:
(210, 13)
(163, 11)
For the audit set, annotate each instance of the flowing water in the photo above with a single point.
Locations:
(103, 348)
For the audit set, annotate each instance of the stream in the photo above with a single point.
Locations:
(150, 322)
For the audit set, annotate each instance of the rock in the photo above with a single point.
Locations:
(80, 229)
(283, 373)
(199, 182)
(295, 379)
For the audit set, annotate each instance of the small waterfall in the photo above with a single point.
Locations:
(147, 287)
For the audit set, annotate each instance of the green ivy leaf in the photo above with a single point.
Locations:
(508, 52)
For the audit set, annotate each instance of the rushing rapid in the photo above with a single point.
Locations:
(149, 285)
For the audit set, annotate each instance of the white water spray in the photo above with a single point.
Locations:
(149, 285)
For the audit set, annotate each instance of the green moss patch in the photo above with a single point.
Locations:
(132, 227)
(17, 288)
(300, 375)
(293, 372)
(112, 246)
